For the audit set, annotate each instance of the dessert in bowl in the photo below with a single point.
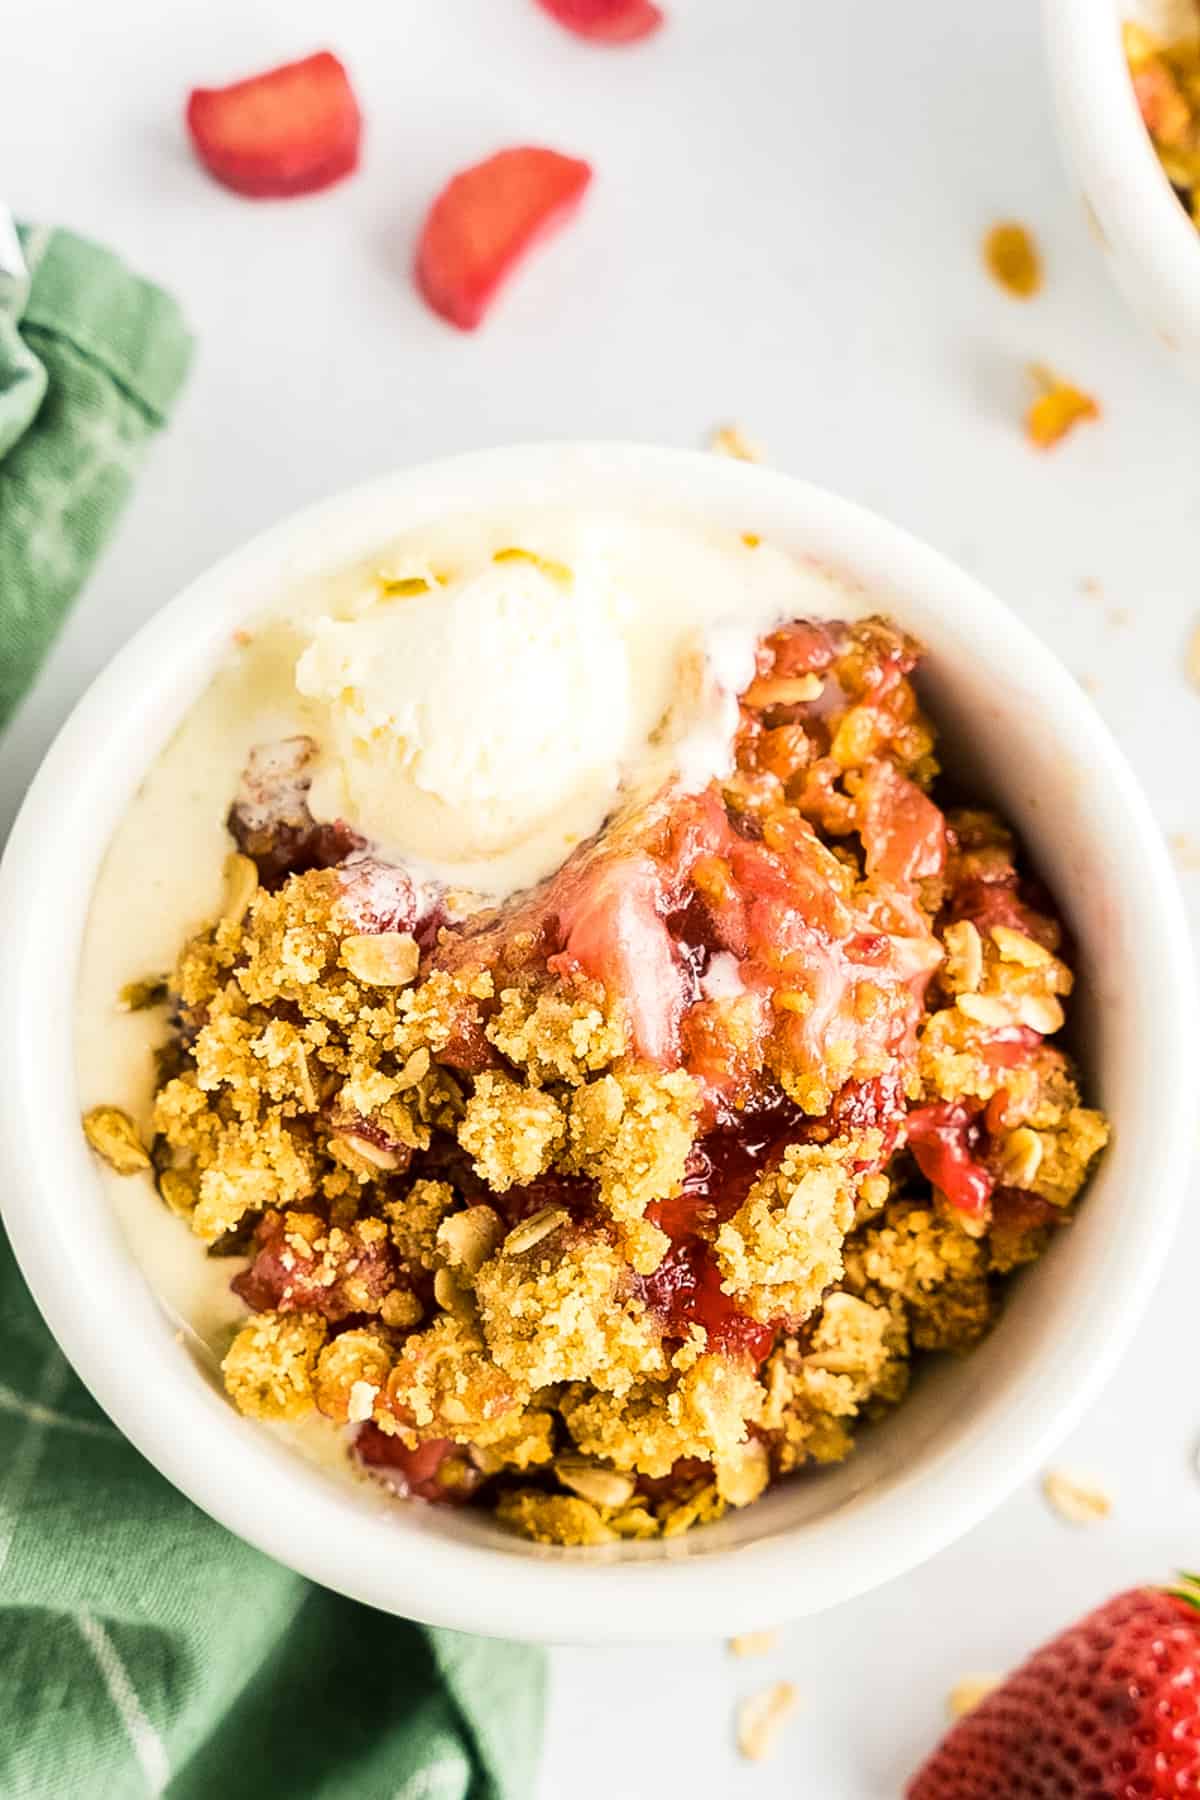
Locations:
(617, 1055)
(1113, 93)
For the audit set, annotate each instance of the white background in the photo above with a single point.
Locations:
(783, 230)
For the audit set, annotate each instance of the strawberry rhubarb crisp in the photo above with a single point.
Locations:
(1166, 83)
(609, 1205)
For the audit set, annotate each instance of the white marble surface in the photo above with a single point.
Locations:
(783, 230)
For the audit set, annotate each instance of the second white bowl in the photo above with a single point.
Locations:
(1150, 244)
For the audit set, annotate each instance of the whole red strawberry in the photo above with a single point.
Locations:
(1109, 1710)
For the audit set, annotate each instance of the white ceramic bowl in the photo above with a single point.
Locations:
(1151, 246)
(972, 1429)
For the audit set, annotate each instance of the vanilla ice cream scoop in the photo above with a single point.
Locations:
(482, 726)
(478, 727)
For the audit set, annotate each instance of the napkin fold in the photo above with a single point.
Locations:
(143, 1650)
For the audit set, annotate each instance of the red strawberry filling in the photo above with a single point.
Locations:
(419, 1474)
(685, 1290)
(943, 1139)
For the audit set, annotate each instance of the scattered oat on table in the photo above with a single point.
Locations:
(1118, 616)
(1192, 657)
(754, 1643)
(1076, 1498)
(1057, 408)
(1186, 849)
(1090, 684)
(966, 1694)
(761, 1718)
(731, 440)
(1011, 258)
(1091, 587)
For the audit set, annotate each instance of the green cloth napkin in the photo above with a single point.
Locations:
(143, 1650)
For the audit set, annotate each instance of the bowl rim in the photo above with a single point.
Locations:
(1131, 200)
(227, 1465)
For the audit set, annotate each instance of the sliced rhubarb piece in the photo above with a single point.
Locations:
(606, 21)
(292, 130)
(483, 222)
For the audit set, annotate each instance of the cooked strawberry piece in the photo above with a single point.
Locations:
(612, 929)
(903, 832)
(686, 1288)
(269, 820)
(301, 1266)
(1108, 1710)
(290, 131)
(606, 21)
(483, 222)
(943, 1138)
(420, 1474)
(871, 948)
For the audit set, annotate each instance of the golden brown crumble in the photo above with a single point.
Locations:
(703, 1415)
(631, 1131)
(557, 1036)
(511, 1131)
(351, 1371)
(783, 1248)
(930, 1264)
(271, 1366)
(856, 1359)
(555, 1518)
(443, 1384)
(561, 1312)
(476, 1221)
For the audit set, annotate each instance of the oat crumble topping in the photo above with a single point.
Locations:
(1166, 85)
(607, 1208)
